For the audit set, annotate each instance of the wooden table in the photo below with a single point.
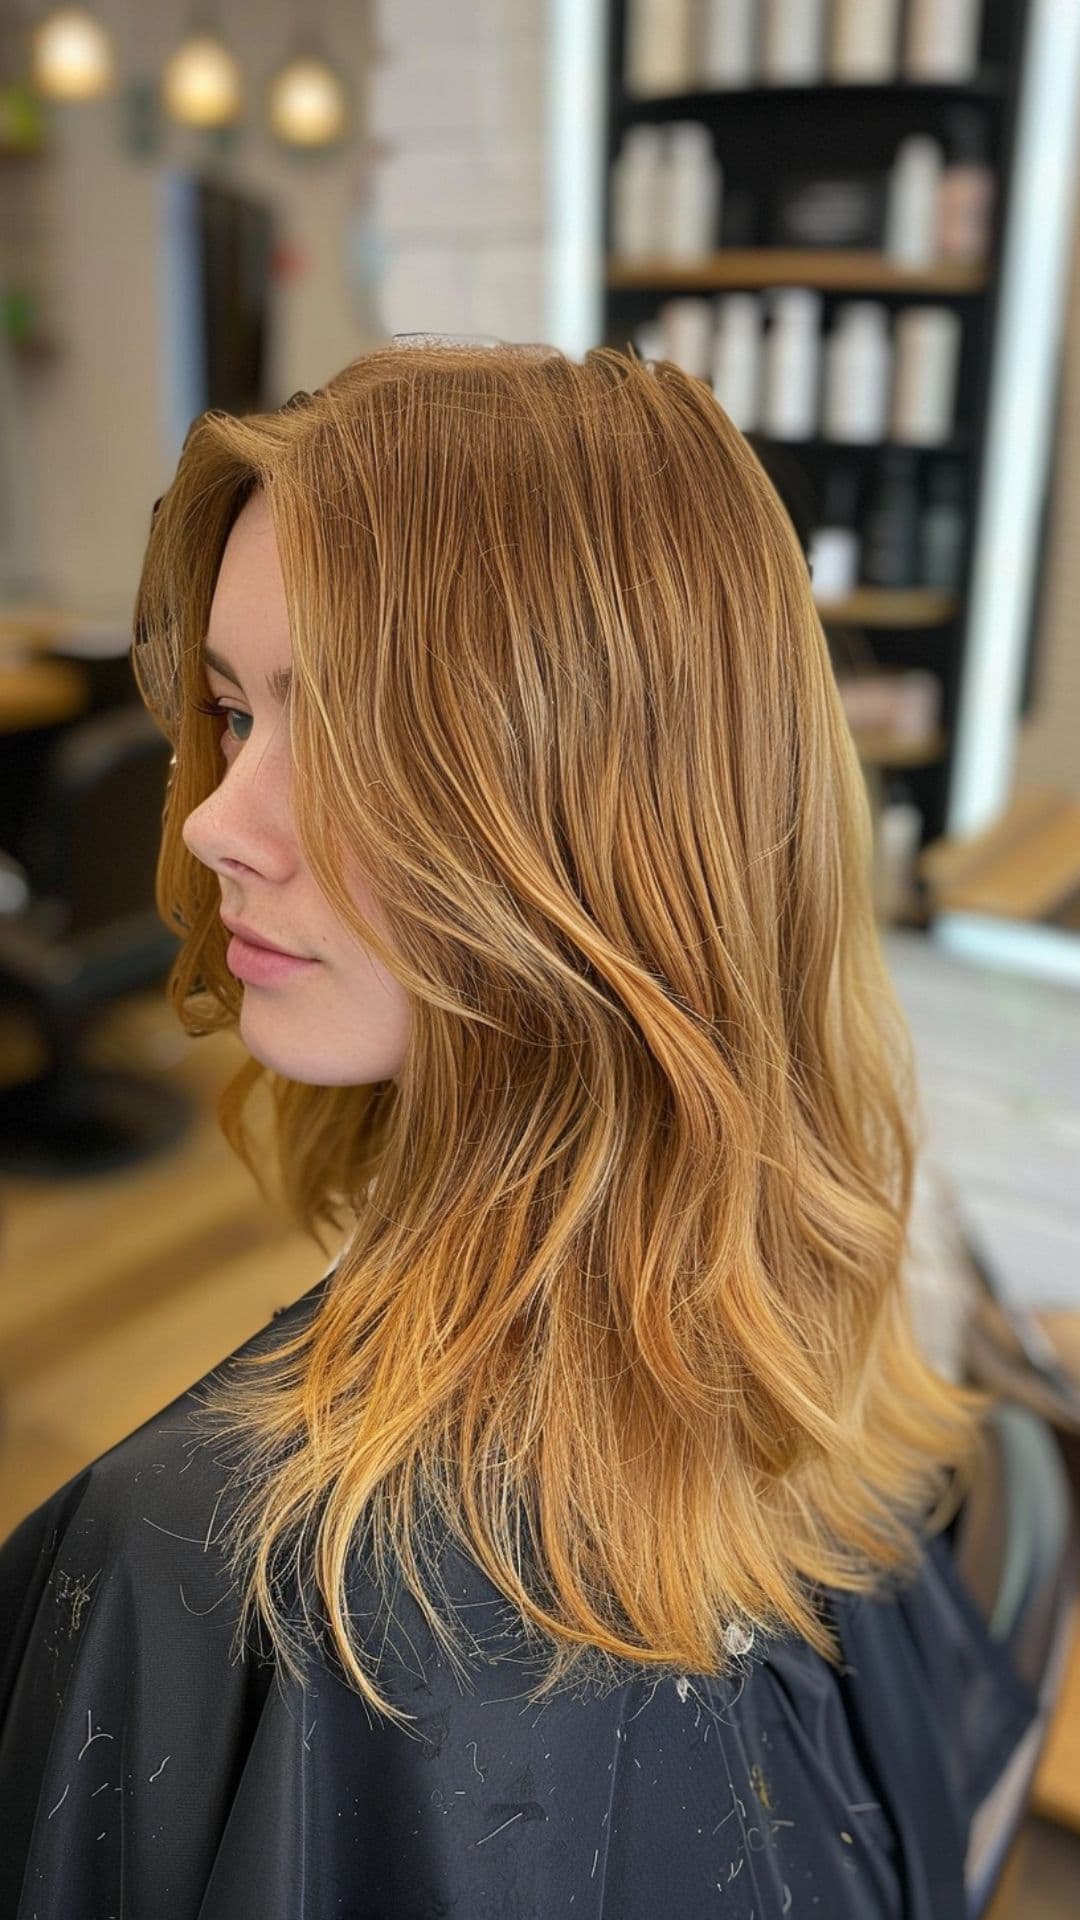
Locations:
(37, 690)
(40, 693)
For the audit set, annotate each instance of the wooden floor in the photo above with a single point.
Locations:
(122, 1290)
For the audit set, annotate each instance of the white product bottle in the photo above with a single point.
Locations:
(692, 192)
(729, 44)
(911, 218)
(834, 543)
(927, 366)
(737, 358)
(649, 340)
(638, 185)
(793, 43)
(687, 333)
(792, 364)
(943, 39)
(865, 41)
(858, 374)
(898, 834)
(659, 46)
(834, 562)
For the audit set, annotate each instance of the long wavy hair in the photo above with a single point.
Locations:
(621, 1305)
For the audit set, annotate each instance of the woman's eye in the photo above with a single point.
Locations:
(218, 712)
(234, 713)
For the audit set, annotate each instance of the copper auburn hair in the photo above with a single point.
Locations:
(621, 1302)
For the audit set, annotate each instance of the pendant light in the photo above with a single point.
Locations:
(200, 83)
(71, 55)
(306, 99)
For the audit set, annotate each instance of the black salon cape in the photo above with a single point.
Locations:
(145, 1774)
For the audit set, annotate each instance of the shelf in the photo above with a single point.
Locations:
(40, 693)
(988, 85)
(890, 607)
(772, 140)
(878, 749)
(954, 448)
(854, 270)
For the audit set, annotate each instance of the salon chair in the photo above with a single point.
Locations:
(78, 929)
(1018, 1551)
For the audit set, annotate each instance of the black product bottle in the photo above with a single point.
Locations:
(890, 552)
(942, 527)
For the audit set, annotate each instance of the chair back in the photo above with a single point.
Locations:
(1018, 1550)
(92, 849)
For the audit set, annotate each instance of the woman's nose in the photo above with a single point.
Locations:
(246, 818)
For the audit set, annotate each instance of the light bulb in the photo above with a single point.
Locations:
(307, 103)
(201, 84)
(72, 58)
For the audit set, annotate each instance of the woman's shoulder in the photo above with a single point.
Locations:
(159, 1483)
(142, 1513)
(936, 1696)
(117, 1656)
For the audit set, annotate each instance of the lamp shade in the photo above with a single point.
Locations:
(306, 102)
(71, 57)
(201, 84)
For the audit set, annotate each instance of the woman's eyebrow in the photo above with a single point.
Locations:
(278, 682)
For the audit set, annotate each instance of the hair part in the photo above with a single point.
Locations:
(621, 1305)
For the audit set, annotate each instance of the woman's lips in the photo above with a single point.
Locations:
(263, 966)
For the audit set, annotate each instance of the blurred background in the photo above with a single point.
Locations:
(856, 220)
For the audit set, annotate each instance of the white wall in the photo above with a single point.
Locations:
(459, 198)
(1046, 749)
(433, 219)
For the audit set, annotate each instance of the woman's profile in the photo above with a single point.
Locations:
(577, 1546)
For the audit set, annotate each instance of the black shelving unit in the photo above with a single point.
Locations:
(763, 134)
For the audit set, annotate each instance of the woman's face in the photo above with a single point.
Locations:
(341, 1019)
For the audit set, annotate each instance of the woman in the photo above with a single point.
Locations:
(575, 1546)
